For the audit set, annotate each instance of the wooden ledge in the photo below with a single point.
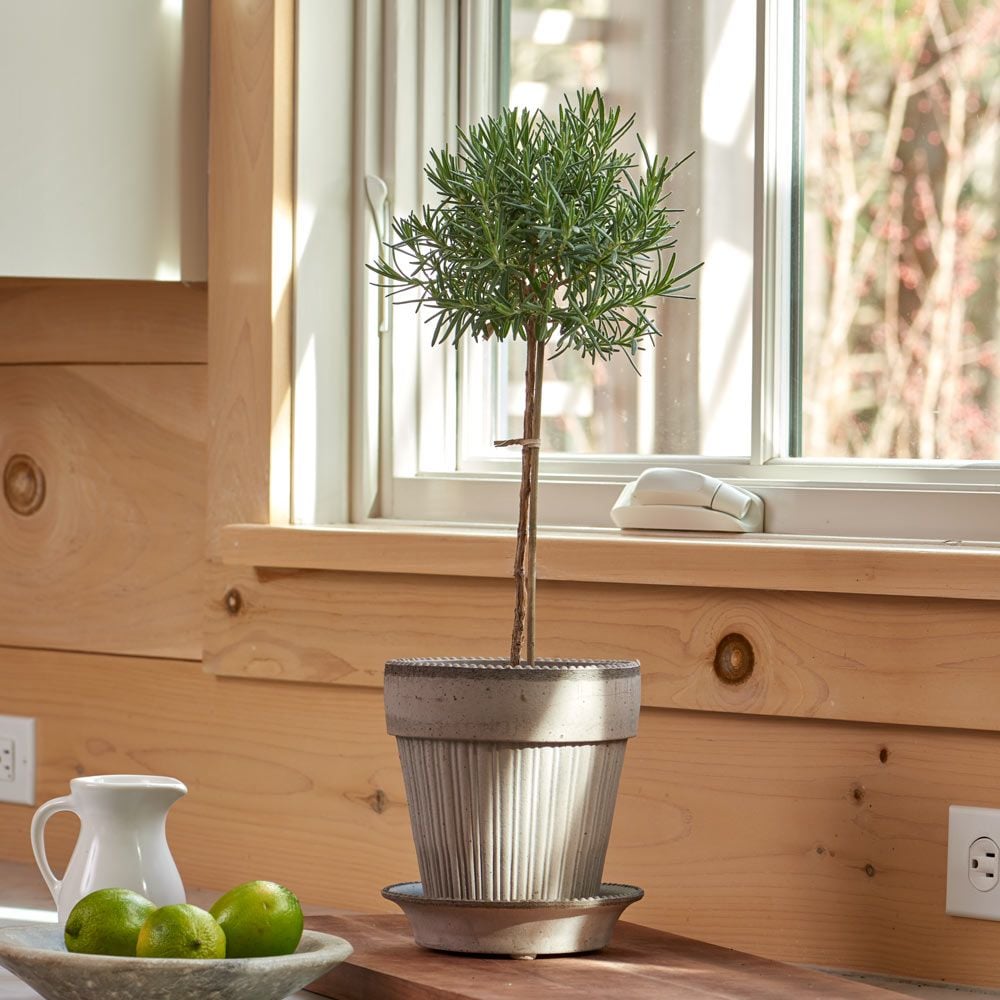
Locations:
(641, 963)
(751, 562)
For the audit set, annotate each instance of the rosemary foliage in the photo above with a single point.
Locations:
(542, 220)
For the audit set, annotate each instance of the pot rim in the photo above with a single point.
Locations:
(486, 700)
(430, 666)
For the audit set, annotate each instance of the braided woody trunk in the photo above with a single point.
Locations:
(525, 553)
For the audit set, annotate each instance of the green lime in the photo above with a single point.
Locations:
(107, 922)
(181, 931)
(259, 918)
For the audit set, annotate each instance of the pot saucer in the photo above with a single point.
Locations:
(518, 928)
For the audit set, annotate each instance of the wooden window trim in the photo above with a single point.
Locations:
(753, 562)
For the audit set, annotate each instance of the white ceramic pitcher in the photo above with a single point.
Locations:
(122, 842)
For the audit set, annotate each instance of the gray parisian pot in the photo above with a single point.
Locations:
(511, 773)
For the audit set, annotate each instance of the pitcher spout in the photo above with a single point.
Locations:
(169, 789)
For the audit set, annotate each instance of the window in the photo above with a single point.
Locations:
(685, 70)
(901, 188)
(839, 357)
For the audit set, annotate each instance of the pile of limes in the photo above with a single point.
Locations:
(250, 921)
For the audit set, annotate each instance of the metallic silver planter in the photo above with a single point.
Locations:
(511, 773)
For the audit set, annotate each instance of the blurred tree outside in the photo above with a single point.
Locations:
(901, 317)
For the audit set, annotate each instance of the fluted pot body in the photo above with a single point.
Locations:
(511, 773)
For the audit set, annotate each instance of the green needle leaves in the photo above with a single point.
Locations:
(542, 220)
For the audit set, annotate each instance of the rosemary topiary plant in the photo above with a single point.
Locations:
(544, 234)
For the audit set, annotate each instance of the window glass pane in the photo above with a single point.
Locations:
(900, 264)
(686, 69)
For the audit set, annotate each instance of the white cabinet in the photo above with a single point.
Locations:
(104, 138)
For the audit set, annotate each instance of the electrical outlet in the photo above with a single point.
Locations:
(983, 865)
(973, 863)
(6, 759)
(17, 760)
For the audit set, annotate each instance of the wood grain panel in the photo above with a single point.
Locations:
(914, 661)
(102, 322)
(812, 841)
(112, 559)
(795, 840)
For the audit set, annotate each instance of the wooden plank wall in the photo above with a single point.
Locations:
(808, 840)
(858, 658)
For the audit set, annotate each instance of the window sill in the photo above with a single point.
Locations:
(755, 562)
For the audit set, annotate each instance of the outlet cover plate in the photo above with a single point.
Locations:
(20, 732)
(966, 825)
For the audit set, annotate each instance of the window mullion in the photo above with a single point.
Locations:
(774, 221)
(480, 70)
(366, 373)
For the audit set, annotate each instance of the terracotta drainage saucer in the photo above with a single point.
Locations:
(520, 928)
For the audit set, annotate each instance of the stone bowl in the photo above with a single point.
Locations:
(36, 954)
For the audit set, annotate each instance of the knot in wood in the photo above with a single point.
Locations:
(233, 601)
(23, 485)
(734, 659)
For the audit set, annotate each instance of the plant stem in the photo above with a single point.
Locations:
(532, 562)
(520, 590)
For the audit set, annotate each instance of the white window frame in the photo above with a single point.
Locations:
(402, 400)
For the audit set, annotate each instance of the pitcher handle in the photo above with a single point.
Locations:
(41, 817)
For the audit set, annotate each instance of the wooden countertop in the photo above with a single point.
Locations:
(21, 888)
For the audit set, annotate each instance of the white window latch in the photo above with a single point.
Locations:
(682, 500)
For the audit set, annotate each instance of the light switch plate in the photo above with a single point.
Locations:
(17, 759)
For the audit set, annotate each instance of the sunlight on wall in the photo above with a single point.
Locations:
(553, 27)
(31, 916)
(305, 218)
(167, 271)
(306, 443)
(723, 105)
(529, 94)
(726, 355)
(283, 251)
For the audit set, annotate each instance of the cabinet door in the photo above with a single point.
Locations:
(103, 131)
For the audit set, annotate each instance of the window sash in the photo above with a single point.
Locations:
(408, 437)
